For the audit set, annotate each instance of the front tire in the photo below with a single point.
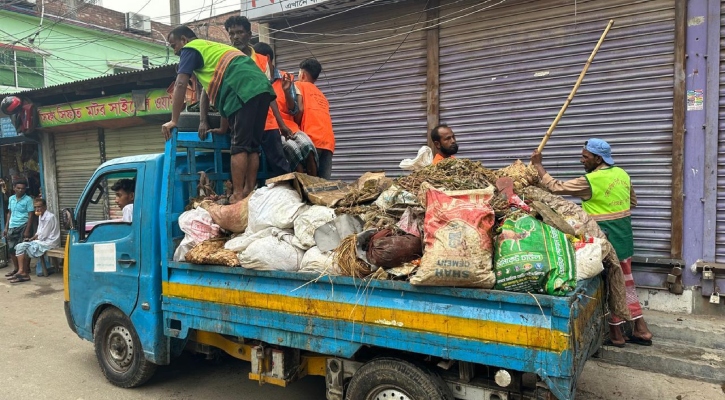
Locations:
(392, 378)
(119, 351)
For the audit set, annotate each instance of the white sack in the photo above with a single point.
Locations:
(589, 259)
(187, 244)
(395, 196)
(241, 242)
(307, 223)
(272, 253)
(319, 262)
(274, 206)
(422, 160)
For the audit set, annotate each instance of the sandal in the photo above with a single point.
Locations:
(20, 279)
(9, 274)
(639, 341)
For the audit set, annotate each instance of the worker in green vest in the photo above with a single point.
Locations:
(607, 196)
(238, 89)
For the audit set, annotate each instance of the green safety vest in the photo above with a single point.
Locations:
(610, 207)
(217, 57)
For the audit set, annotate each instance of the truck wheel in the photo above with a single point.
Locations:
(395, 379)
(119, 352)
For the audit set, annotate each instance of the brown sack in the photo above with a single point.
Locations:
(389, 251)
(202, 251)
(232, 218)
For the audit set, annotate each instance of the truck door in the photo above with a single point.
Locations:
(105, 246)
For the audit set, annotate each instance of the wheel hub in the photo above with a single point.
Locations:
(120, 347)
(388, 393)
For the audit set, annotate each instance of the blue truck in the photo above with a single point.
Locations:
(369, 339)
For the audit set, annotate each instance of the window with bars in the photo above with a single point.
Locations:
(21, 69)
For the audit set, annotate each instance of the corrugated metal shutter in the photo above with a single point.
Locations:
(720, 224)
(506, 71)
(77, 156)
(137, 140)
(377, 120)
(132, 141)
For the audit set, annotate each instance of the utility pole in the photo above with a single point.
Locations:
(175, 12)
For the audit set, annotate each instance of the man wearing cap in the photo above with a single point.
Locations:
(607, 195)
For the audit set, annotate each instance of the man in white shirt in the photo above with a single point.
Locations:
(47, 237)
(125, 192)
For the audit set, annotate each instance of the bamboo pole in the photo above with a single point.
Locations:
(575, 88)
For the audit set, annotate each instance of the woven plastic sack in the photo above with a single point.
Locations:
(232, 218)
(274, 206)
(534, 257)
(272, 253)
(198, 225)
(307, 223)
(319, 262)
(588, 258)
(458, 245)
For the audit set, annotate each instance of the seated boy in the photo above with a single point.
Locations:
(125, 192)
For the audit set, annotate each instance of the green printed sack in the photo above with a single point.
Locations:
(531, 256)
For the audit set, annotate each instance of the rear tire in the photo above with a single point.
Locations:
(392, 378)
(119, 352)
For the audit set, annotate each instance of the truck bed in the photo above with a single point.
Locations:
(545, 335)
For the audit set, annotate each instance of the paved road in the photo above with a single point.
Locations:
(40, 358)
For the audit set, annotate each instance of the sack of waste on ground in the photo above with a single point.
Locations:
(588, 258)
(458, 245)
(534, 257)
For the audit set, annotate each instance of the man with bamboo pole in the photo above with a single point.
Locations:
(608, 197)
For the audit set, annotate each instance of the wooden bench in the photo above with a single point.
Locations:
(56, 259)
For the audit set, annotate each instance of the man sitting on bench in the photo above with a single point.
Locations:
(47, 237)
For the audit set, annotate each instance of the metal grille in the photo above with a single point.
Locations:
(506, 71)
(720, 224)
(378, 108)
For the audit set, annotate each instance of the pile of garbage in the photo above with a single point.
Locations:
(455, 223)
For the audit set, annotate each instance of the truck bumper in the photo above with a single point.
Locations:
(69, 317)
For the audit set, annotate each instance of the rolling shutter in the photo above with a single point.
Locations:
(376, 90)
(77, 156)
(506, 71)
(134, 141)
(720, 224)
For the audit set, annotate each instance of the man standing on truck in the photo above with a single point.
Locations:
(18, 221)
(608, 196)
(240, 32)
(239, 90)
(314, 116)
(444, 141)
(298, 148)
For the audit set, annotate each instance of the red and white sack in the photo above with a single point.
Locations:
(458, 243)
(588, 258)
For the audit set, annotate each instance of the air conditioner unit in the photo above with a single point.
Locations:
(138, 23)
(19, 3)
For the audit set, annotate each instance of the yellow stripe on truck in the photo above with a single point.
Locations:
(481, 330)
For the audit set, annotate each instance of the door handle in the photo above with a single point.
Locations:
(126, 261)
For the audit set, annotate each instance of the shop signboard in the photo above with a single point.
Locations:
(255, 9)
(158, 101)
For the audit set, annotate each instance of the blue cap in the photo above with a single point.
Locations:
(600, 148)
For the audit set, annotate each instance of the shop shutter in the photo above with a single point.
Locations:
(506, 71)
(720, 224)
(137, 140)
(378, 120)
(77, 156)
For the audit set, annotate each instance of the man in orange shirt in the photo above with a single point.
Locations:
(298, 148)
(240, 33)
(314, 117)
(444, 141)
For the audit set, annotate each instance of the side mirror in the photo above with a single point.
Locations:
(67, 219)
